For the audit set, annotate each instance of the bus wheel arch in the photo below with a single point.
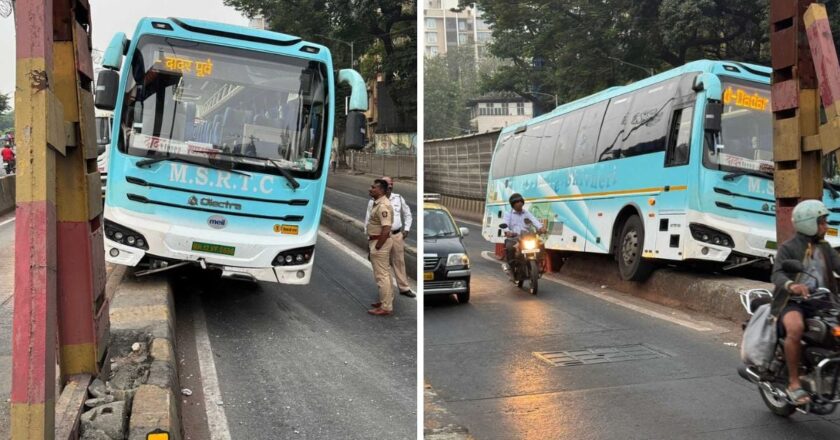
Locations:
(626, 212)
(628, 246)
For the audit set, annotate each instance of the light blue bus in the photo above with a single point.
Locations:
(220, 146)
(675, 167)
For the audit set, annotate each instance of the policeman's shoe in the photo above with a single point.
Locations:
(379, 312)
(376, 305)
(408, 293)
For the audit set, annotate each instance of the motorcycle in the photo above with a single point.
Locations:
(528, 262)
(820, 360)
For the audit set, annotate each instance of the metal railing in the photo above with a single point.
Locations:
(460, 166)
(403, 166)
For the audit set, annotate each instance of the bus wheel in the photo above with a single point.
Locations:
(631, 265)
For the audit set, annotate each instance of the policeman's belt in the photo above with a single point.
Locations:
(374, 237)
(396, 231)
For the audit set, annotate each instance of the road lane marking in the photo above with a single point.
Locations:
(346, 249)
(6, 222)
(216, 418)
(704, 327)
(355, 255)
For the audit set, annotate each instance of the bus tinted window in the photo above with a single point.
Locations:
(649, 119)
(526, 160)
(615, 127)
(587, 136)
(513, 153)
(500, 156)
(566, 139)
(548, 144)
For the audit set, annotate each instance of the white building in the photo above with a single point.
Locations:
(496, 111)
(446, 26)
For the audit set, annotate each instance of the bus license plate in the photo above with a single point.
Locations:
(213, 248)
(428, 276)
(832, 232)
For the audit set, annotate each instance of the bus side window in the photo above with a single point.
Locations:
(500, 156)
(679, 138)
(547, 143)
(526, 160)
(587, 136)
(566, 140)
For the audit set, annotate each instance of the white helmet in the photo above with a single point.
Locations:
(805, 216)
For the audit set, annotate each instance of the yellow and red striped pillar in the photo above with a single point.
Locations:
(38, 120)
(60, 305)
(82, 308)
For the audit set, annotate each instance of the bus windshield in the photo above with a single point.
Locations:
(225, 106)
(746, 129)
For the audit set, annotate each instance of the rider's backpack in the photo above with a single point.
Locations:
(759, 342)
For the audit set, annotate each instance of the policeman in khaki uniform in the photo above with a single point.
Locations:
(378, 229)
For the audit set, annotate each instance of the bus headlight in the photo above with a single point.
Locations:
(711, 235)
(294, 257)
(126, 236)
(457, 260)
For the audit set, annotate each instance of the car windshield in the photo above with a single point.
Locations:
(236, 108)
(746, 129)
(437, 224)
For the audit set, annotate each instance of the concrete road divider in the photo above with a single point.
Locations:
(142, 370)
(353, 231)
(7, 194)
(713, 294)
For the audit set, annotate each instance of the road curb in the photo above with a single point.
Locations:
(7, 194)
(353, 230)
(714, 295)
(144, 309)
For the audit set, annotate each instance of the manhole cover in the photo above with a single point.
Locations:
(599, 355)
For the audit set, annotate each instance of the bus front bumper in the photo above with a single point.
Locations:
(118, 253)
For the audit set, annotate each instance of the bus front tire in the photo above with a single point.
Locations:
(631, 265)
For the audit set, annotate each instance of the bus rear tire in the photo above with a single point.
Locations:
(631, 265)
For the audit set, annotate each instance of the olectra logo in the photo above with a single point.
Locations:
(193, 201)
(207, 201)
(217, 222)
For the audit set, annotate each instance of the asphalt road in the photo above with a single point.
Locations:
(479, 360)
(300, 362)
(348, 193)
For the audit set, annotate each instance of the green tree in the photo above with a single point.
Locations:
(7, 115)
(573, 48)
(450, 80)
(386, 25)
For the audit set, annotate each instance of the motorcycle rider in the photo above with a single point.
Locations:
(810, 219)
(8, 157)
(517, 223)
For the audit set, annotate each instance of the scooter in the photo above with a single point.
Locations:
(820, 361)
(528, 262)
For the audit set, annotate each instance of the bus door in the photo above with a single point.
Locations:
(670, 221)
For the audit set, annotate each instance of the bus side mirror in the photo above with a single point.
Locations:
(355, 130)
(107, 85)
(712, 118)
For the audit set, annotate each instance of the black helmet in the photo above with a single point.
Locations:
(516, 197)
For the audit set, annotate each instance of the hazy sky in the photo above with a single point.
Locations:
(111, 16)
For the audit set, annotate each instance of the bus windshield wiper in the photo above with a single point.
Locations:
(731, 176)
(147, 162)
(283, 171)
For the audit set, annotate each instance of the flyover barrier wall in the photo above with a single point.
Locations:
(402, 166)
(7, 194)
(457, 169)
(353, 231)
(712, 294)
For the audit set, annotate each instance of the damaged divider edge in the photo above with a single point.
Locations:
(142, 315)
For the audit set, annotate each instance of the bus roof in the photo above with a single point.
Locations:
(225, 30)
(752, 72)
